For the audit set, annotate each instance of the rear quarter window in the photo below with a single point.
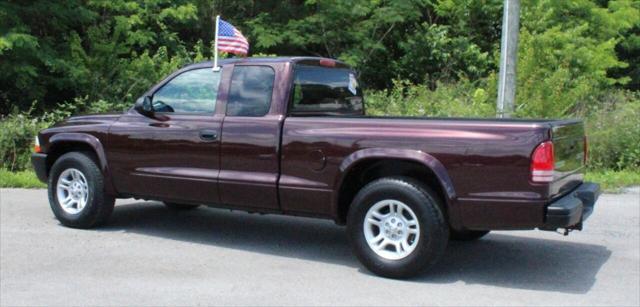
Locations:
(319, 90)
(250, 92)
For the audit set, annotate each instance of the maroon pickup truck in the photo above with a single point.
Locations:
(290, 136)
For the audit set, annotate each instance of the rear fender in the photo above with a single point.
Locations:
(401, 154)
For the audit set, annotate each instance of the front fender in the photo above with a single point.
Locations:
(90, 140)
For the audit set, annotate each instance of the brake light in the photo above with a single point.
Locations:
(327, 63)
(586, 151)
(542, 163)
(36, 145)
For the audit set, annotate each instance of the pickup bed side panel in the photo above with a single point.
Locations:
(487, 162)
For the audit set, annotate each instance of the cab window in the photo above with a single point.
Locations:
(319, 90)
(193, 91)
(250, 91)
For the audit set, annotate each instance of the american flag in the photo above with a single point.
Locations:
(231, 40)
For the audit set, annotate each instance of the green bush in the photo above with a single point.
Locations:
(612, 125)
(18, 130)
(16, 140)
(614, 132)
(462, 99)
(566, 50)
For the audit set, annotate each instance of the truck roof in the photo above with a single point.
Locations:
(261, 60)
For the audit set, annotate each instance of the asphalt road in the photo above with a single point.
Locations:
(148, 255)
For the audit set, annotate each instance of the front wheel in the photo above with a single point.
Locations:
(76, 192)
(396, 227)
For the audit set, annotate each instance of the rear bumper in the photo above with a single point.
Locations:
(39, 161)
(573, 209)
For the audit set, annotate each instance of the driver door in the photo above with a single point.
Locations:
(172, 154)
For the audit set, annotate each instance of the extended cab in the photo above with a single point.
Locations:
(290, 136)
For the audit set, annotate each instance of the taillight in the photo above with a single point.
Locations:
(542, 163)
(36, 145)
(586, 151)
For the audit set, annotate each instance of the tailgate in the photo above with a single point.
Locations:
(569, 153)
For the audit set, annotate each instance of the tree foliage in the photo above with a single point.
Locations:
(54, 51)
(416, 57)
(567, 53)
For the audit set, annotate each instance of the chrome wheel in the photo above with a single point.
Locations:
(72, 191)
(391, 229)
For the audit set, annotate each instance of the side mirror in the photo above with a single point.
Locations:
(144, 106)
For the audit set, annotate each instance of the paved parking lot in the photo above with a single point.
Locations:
(149, 255)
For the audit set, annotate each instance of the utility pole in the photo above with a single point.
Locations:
(508, 58)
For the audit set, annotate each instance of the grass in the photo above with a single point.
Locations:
(22, 179)
(613, 181)
(609, 180)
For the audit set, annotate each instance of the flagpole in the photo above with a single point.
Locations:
(215, 46)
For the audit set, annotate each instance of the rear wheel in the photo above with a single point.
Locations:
(177, 206)
(396, 227)
(467, 235)
(76, 192)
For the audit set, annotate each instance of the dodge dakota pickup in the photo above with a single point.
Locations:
(289, 135)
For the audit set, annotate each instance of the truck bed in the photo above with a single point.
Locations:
(487, 161)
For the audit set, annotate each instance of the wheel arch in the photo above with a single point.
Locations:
(62, 143)
(364, 166)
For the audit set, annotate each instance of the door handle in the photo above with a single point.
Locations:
(159, 125)
(208, 135)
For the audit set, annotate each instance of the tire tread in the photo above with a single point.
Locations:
(101, 205)
(433, 206)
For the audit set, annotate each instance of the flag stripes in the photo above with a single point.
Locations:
(231, 40)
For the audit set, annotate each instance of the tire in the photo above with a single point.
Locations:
(87, 204)
(420, 251)
(180, 207)
(467, 235)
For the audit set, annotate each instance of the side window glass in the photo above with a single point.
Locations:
(250, 91)
(329, 91)
(193, 91)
